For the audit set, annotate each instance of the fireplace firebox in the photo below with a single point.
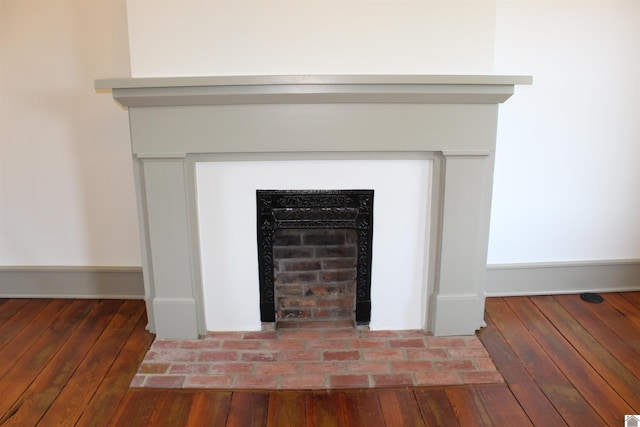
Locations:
(331, 209)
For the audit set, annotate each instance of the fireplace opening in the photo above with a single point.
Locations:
(315, 276)
(314, 254)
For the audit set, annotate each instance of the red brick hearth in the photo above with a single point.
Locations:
(320, 358)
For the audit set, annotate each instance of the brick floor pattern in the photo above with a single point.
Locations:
(329, 358)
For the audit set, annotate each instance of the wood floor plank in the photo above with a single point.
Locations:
(616, 362)
(362, 408)
(116, 382)
(79, 390)
(136, 409)
(36, 357)
(325, 409)
(569, 403)
(612, 330)
(632, 297)
(522, 385)
(617, 322)
(501, 405)
(468, 407)
(400, 408)
(210, 409)
(626, 305)
(10, 307)
(436, 408)
(172, 409)
(286, 408)
(26, 325)
(600, 395)
(50, 380)
(248, 409)
(19, 313)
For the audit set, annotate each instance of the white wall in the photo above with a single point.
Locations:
(66, 186)
(567, 181)
(566, 186)
(254, 37)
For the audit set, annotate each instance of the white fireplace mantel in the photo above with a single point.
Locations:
(178, 121)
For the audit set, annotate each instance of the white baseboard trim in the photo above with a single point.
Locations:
(562, 277)
(71, 282)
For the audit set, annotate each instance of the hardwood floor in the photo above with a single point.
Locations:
(565, 362)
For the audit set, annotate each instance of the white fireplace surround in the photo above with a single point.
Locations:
(176, 122)
(226, 199)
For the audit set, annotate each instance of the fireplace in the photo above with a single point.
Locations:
(179, 123)
(319, 209)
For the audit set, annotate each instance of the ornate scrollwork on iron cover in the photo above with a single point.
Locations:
(314, 199)
(316, 213)
(265, 259)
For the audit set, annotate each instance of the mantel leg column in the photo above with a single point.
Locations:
(162, 193)
(466, 204)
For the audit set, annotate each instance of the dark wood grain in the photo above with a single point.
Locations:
(29, 324)
(84, 382)
(523, 386)
(501, 405)
(53, 377)
(565, 362)
(468, 407)
(325, 409)
(601, 395)
(248, 409)
(362, 408)
(400, 408)
(38, 355)
(9, 308)
(613, 371)
(116, 382)
(137, 408)
(436, 408)
(608, 327)
(573, 408)
(627, 305)
(20, 315)
(632, 297)
(286, 409)
(172, 409)
(209, 409)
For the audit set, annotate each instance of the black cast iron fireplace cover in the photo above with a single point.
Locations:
(287, 209)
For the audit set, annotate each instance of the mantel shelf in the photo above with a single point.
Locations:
(307, 89)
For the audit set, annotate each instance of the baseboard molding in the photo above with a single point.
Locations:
(71, 282)
(502, 280)
(562, 277)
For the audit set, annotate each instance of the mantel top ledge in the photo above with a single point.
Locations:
(373, 79)
(304, 89)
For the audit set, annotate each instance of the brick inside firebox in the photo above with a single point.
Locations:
(314, 274)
